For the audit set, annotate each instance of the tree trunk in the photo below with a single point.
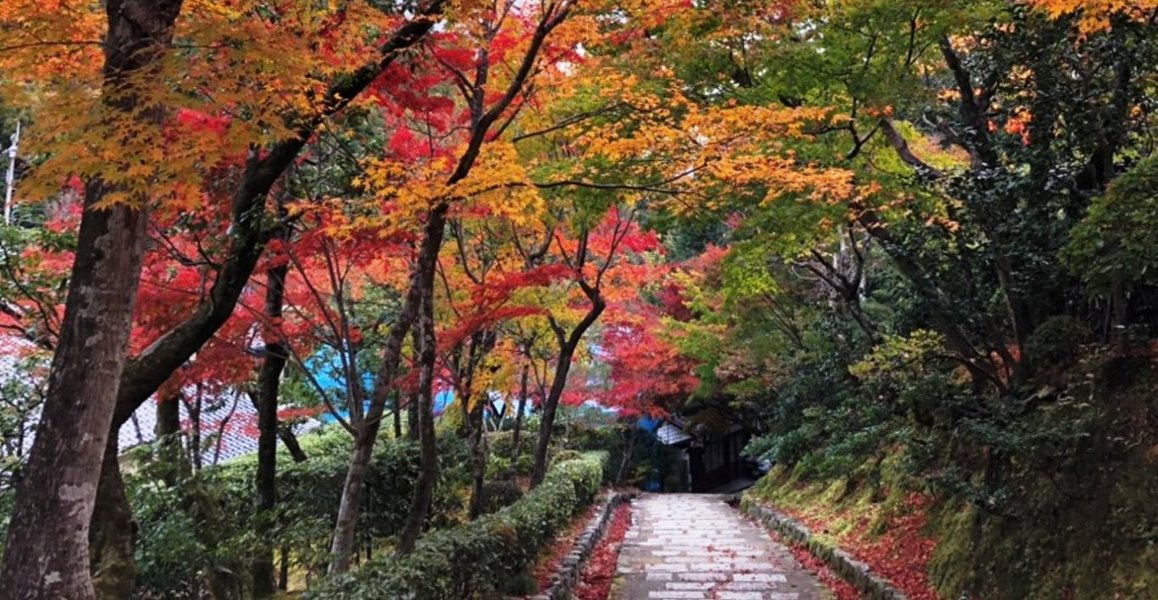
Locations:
(428, 467)
(168, 417)
(283, 574)
(419, 298)
(196, 452)
(547, 417)
(290, 441)
(567, 348)
(516, 441)
(268, 389)
(47, 550)
(113, 534)
(172, 450)
(397, 415)
(348, 509)
(1019, 315)
(412, 418)
(478, 454)
(627, 452)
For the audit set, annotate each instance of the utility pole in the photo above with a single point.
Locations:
(10, 178)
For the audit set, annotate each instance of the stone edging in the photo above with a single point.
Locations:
(567, 573)
(857, 573)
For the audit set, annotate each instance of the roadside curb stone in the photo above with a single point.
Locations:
(859, 574)
(566, 575)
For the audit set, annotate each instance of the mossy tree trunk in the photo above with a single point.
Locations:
(47, 551)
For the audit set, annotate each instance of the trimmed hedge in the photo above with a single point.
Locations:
(486, 555)
(205, 524)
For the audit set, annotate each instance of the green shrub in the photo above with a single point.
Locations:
(1114, 248)
(566, 455)
(1058, 341)
(497, 494)
(490, 554)
(502, 443)
(213, 509)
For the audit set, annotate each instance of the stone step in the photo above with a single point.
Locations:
(696, 547)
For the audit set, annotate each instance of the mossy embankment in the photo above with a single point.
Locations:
(1075, 521)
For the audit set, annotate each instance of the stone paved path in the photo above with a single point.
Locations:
(696, 547)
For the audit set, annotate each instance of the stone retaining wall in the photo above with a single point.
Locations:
(857, 573)
(567, 574)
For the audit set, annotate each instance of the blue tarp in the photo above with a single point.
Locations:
(326, 368)
(649, 424)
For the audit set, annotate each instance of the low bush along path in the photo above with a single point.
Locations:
(696, 547)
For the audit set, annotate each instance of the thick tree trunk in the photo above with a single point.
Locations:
(47, 550)
(268, 389)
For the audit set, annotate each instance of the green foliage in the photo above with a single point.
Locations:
(1072, 506)
(497, 494)
(1058, 503)
(1114, 248)
(190, 533)
(500, 446)
(20, 398)
(1058, 341)
(900, 358)
(203, 524)
(485, 555)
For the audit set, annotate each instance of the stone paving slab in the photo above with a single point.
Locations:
(696, 547)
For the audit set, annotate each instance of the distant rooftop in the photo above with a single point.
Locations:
(228, 421)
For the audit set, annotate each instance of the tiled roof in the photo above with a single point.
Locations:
(228, 425)
(228, 422)
(232, 415)
(671, 434)
(16, 391)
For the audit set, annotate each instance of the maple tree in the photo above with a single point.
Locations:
(592, 254)
(1097, 15)
(448, 181)
(157, 170)
(494, 291)
(648, 373)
